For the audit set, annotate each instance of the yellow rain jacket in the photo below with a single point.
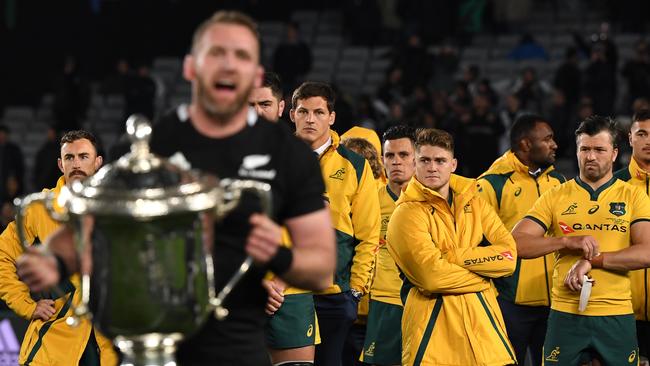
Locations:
(354, 207)
(640, 281)
(52, 342)
(447, 255)
(512, 191)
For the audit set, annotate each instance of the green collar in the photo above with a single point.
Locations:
(593, 195)
(391, 194)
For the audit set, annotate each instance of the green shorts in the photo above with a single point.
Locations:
(294, 324)
(572, 338)
(383, 344)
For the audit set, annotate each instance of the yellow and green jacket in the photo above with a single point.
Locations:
(640, 281)
(386, 284)
(512, 191)
(447, 252)
(52, 342)
(354, 207)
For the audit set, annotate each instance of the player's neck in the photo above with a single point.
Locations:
(210, 127)
(645, 165)
(598, 183)
(396, 188)
(524, 159)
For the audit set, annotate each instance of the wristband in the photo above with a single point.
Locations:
(597, 261)
(60, 266)
(281, 262)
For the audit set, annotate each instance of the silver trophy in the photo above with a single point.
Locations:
(144, 232)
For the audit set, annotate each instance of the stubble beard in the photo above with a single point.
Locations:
(220, 114)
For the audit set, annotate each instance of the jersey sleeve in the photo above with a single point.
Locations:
(641, 209)
(486, 191)
(12, 290)
(305, 187)
(542, 210)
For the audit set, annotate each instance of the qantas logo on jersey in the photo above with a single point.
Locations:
(488, 259)
(251, 163)
(566, 229)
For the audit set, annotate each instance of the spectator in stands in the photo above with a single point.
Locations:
(640, 104)
(528, 49)
(115, 83)
(531, 91)
(12, 167)
(292, 58)
(391, 89)
(485, 88)
(637, 73)
(70, 97)
(480, 130)
(460, 100)
(415, 61)
(600, 82)
(366, 116)
(560, 116)
(471, 75)
(46, 171)
(140, 94)
(443, 118)
(445, 65)
(568, 78)
(362, 21)
(507, 116)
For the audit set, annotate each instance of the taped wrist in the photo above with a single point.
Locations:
(281, 262)
(597, 261)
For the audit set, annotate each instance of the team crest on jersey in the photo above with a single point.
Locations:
(593, 209)
(371, 350)
(518, 192)
(566, 229)
(617, 208)
(571, 210)
(338, 174)
(554, 356)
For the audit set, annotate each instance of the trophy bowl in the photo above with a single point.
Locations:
(143, 229)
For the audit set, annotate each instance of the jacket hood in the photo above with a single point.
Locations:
(464, 189)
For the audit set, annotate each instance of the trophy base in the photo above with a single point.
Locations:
(153, 349)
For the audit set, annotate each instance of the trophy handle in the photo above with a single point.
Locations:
(47, 200)
(233, 190)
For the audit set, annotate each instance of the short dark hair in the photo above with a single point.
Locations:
(399, 132)
(72, 136)
(522, 127)
(310, 89)
(434, 137)
(225, 17)
(595, 124)
(272, 81)
(641, 115)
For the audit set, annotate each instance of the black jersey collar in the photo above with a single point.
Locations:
(593, 195)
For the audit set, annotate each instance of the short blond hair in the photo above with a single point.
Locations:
(225, 17)
(434, 137)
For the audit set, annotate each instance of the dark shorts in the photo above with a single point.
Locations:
(383, 345)
(572, 338)
(294, 324)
